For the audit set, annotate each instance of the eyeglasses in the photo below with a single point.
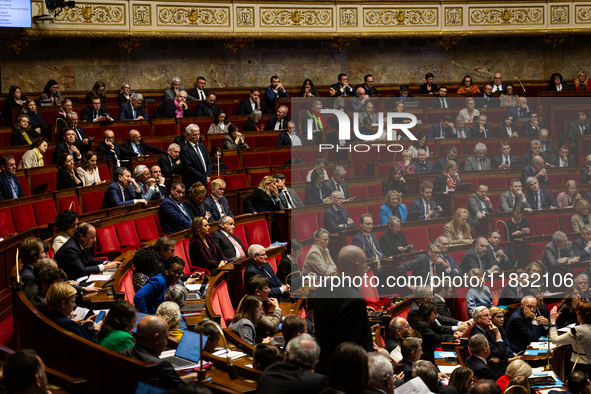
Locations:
(176, 272)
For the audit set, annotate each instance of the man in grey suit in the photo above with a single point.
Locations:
(368, 108)
(288, 196)
(175, 86)
(513, 196)
(558, 252)
(337, 183)
(481, 129)
(358, 102)
(478, 162)
(578, 127)
(478, 206)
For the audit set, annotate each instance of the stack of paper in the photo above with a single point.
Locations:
(542, 345)
(233, 354)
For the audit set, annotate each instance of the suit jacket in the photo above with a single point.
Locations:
(211, 206)
(580, 249)
(87, 113)
(444, 315)
(225, 245)
(470, 261)
(17, 139)
(529, 155)
(273, 120)
(270, 96)
(521, 332)
(427, 167)
(203, 256)
(245, 107)
(475, 131)
(328, 187)
(65, 181)
(319, 262)
(563, 200)
(6, 189)
(170, 94)
(197, 210)
(436, 131)
(510, 295)
(332, 220)
(490, 101)
(364, 244)
(291, 378)
(419, 206)
(436, 102)
(433, 334)
(481, 370)
(168, 170)
(192, 166)
(70, 325)
(172, 219)
(550, 256)
(503, 132)
(440, 164)
(204, 109)
(167, 110)
(546, 197)
(195, 94)
(76, 261)
(260, 201)
(314, 195)
(250, 126)
(143, 148)
(122, 153)
(527, 172)
(180, 141)
(497, 349)
(421, 267)
(274, 282)
(504, 264)
(475, 206)
(292, 195)
(506, 202)
(167, 376)
(499, 159)
(407, 369)
(80, 135)
(527, 129)
(113, 198)
(555, 160)
(574, 131)
(60, 148)
(514, 111)
(284, 139)
(126, 112)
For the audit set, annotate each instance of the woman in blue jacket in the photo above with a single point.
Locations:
(392, 207)
(149, 297)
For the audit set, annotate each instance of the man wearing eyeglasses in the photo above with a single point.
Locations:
(398, 325)
(368, 241)
(336, 218)
(258, 266)
(524, 327)
(426, 265)
(497, 359)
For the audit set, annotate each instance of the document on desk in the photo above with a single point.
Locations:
(413, 386)
(233, 354)
(80, 313)
(447, 369)
(99, 278)
(193, 286)
(542, 345)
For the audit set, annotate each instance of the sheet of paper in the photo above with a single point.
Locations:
(413, 386)
(233, 354)
(80, 312)
(542, 345)
(193, 287)
(249, 366)
(82, 279)
(538, 352)
(445, 354)
(167, 353)
(99, 278)
(447, 369)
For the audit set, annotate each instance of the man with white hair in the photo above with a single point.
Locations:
(479, 206)
(498, 85)
(195, 162)
(381, 378)
(497, 359)
(535, 149)
(361, 97)
(337, 183)
(478, 162)
(524, 327)
(175, 87)
(336, 218)
(169, 163)
(133, 109)
(294, 375)
(558, 252)
(278, 121)
(137, 145)
(258, 265)
(148, 187)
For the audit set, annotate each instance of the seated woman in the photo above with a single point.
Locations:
(470, 113)
(34, 157)
(178, 294)
(509, 98)
(581, 218)
(148, 298)
(420, 143)
(234, 139)
(428, 87)
(399, 107)
(220, 123)
(88, 171)
(37, 122)
(66, 223)
(393, 241)
(308, 89)
(582, 82)
(194, 203)
(171, 313)
(392, 207)
(61, 301)
(252, 123)
(22, 134)
(246, 318)
(204, 252)
(216, 157)
(406, 164)
(432, 334)
(124, 93)
(518, 227)
(556, 83)
(467, 87)
(448, 180)
(461, 379)
(264, 355)
(51, 92)
(395, 181)
(458, 230)
(115, 333)
(568, 307)
(264, 198)
(98, 89)
(148, 263)
(507, 128)
(321, 164)
(517, 368)
(318, 260)
(15, 99)
(568, 197)
(66, 176)
(61, 118)
(478, 295)
(313, 192)
(586, 172)
(498, 319)
(535, 271)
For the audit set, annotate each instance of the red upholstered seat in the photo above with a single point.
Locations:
(240, 232)
(301, 194)
(64, 204)
(307, 156)
(92, 201)
(434, 232)
(120, 132)
(256, 160)
(127, 234)
(43, 178)
(44, 211)
(126, 286)
(144, 129)
(565, 223)
(222, 305)
(359, 192)
(232, 162)
(257, 177)
(258, 233)
(23, 217)
(556, 179)
(356, 212)
(461, 202)
(6, 225)
(575, 177)
(267, 141)
(164, 129)
(179, 251)
(236, 181)
(369, 293)
(418, 236)
(24, 185)
(494, 183)
(374, 191)
(374, 210)
(536, 250)
(273, 263)
(280, 157)
(146, 228)
(384, 170)
(107, 243)
(462, 309)
(546, 224)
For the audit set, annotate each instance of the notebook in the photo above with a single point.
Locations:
(188, 352)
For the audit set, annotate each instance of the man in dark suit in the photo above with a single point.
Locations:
(199, 92)
(444, 315)
(424, 264)
(535, 169)
(370, 90)
(168, 107)
(513, 196)
(294, 374)
(479, 206)
(411, 351)
(123, 191)
(137, 145)
(156, 174)
(498, 85)
(422, 164)
(337, 184)
(258, 265)
(278, 121)
(183, 139)
(535, 149)
(582, 245)
(72, 118)
(486, 99)
(511, 295)
(30, 250)
(230, 244)
(524, 327)
(273, 92)
(442, 101)
(533, 127)
(496, 253)
(545, 144)
(578, 127)
(68, 146)
(216, 203)
(207, 107)
(343, 86)
(539, 198)
(133, 109)
(405, 96)
(195, 162)
(521, 111)
(476, 257)
(10, 187)
(576, 383)
(564, 158)
(288, 196)
(504, 159)
(368, 241)
(336, 218)
(169, 163)
(150, 341)
(426, 206)
(497, 358)
(75, 257)
(481, 129)
(455, 268)
(174, 215)
(480, 350)
(398, 325)
(112, 150)
(96, 112)
(452, 154)
(442, 129)
(290, 137)
(250, 104)
(559, 252)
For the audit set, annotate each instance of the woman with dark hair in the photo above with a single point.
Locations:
(508, 97)
(88, 170)
(347, 370)
(37, 122)
(61, 118)
(246, 318)
(15, 99)
(395, 181)
(264, 355)
(22, 134)
(467, 87)
(203, 250)
(517, 227)
(507, 128)
(461, 379)
(146, 263)
(313, 193)
(448, 180)
(216, 157)
(34, 157)
(66, 176)
(51, 92)
(252, 123)
(98, 89)
(115, 333)
(567, 310)
(124, 93)
(579, 339)
(66, 222)
(556, 83)
(220, 123)
(234, 139)
(151, 295)
(308, 89)
(432, 334)
(392, 207)
(420, 143)
(428, 87)
(194, 203)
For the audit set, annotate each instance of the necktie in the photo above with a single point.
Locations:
(461, 134)
(271, 280)
(506, 159)
(134, 114)
(201, 95)
(427, 209)
(146, 189)
(237, 246)
(537, 202)
(13, 187)
(289, 202)
(136, 149)
(182, 207)
(95, 115)
(200, 156)
(443, 103)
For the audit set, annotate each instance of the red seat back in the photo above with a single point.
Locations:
(240, 232)
(564, 222)
(419, 237)
(24, 185)
(126, 286)
(92, 201)
(257, 177)
(23, 217)
(258, 233)
(127, 234)
(221, 299)
(107, 240)
(541, 225)
(6, 225)
(356, 212)
(146, 228)
(236, 181)
(273, 263)
(64, 204)
(303, 225)
(232, 161)
(256, 160)
(359, 191)
(279, 158)
(43, 178)
(44, 211)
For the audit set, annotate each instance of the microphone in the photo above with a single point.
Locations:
(522, 87)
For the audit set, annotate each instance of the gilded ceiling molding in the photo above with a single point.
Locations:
(236, 43)
(84, 13)
(341, 43)
(447, 42)
(400, 17)
(481, 16)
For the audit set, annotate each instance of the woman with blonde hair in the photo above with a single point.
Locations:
(582, 82)
(124, 93)
(581, 218)
(392, 207)
(264, 198)
(98, 89)
(458, 230)
(497, 315)
(448, 180)
(514, 369)
(406, 164)
(470, 113)
(22, 134)
(570, 195)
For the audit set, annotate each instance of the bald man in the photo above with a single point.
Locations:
(138, 146)
(340, 313)
(150, 341)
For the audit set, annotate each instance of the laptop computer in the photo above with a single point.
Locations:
(412, 216)
(188, 351)
(140, 315)
(193, 307)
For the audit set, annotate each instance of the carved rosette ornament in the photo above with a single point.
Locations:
(18, 43)
(296, 17)
(509, 16)
(235, 44)
(406, 17)
(341, 43)
(447, 42)
(130, 43)
(555, 39)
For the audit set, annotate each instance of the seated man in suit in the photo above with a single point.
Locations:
(481, 129)
(123, 191)
(564, 158)
(452, 154)
(479, 206)
(156, 174)
(258, 265)
(96, 112)
(512, 197)
(370, 90)
(480, 350)
(444, 315)
(398, 325)
(498, 85)
(513, 294)
(207, 107)
(497, 253)
(539, 198)
(174, 108)
(504, 159)
(343, 86)
(68, 146)
(476, 257)
(150, 341)
(174, 215)
(422, 164)
(411, 350)
(278, 121)
(442, 129)
(558, 252)
(535, 149)
(230, 244)
(250, 104)
(521, 111)
(337, 183)
(272, 92)
(455, 268)
(543, 137)
(10, 187)
(133, 109)
(533, 126)
(199, 92)
(358, 102)
(442, 101)
(290, 137)
(137, 145)
(426, 266)
(169, 163)
(524, 327)
(149, 190)
(459, 128)
(174, 89)
(75, 257)
(426, 206)
(497, 359)
(216, 203)
(486, 99)
(287, 195)
(112, 150)
(258, 286)
(403, 95)
(336, 218)
(536, 169)
(582, 245)
(578, 127)
(195, 162)
(24, 372)
(72, 119)
(368, 241)
(478, 162)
